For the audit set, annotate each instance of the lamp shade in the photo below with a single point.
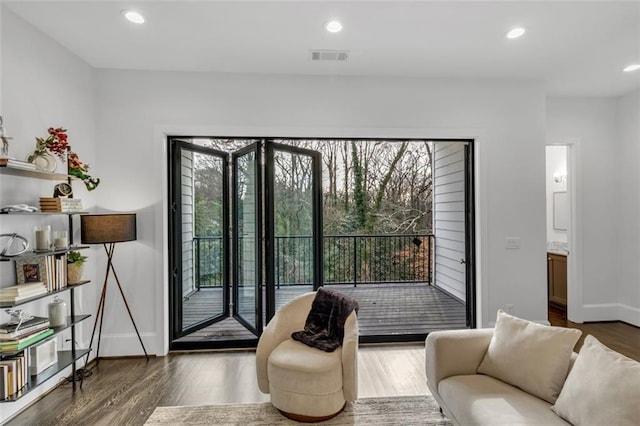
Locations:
(107, 228)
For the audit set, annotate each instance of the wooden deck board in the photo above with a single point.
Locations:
(385, 309)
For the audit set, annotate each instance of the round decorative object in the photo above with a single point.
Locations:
(13, 244)
(45, 162)
(62, 190)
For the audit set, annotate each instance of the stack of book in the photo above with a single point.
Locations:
(17, 164)
(20, 292)
(11, 331)
(60, 205)
(14, 338)
(18, 343)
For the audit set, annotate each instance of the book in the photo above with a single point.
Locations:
(20, 289)
(22, 294)
(55, 204)
(61, 200)
(23, 332)
(12, 328)
(11, 379)
(12, 162)
(16, 345)
(4, 381)
(19, 371)
(16, 299)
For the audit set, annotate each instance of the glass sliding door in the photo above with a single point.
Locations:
(198, 203)
(247, 236)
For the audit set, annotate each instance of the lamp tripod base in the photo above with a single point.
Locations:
(109, 249)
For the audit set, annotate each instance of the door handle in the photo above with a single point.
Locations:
(462, 261)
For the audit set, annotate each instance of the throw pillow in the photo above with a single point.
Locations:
(530, 356)
(603, 387)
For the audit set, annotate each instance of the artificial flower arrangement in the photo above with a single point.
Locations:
(56, 144)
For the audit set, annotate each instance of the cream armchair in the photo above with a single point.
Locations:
(306, 383)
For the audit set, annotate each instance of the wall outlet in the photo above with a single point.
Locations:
(508, 308)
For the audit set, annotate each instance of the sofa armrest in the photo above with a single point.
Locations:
(350, 358)
(454, 352)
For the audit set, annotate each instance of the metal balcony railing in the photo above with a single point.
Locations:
(348, 259)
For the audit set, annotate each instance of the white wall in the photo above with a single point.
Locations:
(135, 108)
(627, 184)
(43, 86)
(606, 131)
(556, 162)
(449, 217)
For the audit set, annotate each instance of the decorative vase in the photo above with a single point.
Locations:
(43, 161)
(74, 273)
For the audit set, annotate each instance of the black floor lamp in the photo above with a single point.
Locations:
(108, 229)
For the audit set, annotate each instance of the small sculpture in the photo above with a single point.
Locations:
(18, 316)
(4, 148)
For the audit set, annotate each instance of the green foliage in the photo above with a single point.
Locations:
(74, 257)
(359, 196)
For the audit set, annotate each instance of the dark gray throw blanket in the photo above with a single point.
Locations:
(324, 328)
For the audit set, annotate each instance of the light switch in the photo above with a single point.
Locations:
(512, 242)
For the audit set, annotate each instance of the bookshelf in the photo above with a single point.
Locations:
(65, 358)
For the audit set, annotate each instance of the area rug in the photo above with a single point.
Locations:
(408, 410)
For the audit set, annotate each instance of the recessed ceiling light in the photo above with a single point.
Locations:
(133, 16)
(632, 67)
(333, 26)
(516, 32)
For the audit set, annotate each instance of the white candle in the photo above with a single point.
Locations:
(43, 238)
(60, 243)
(60, 240)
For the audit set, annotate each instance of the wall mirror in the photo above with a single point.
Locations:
(560, 210)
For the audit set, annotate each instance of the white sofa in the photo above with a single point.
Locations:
(469, 398)
(535, 380)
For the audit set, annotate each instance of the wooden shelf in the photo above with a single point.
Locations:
(8, 169)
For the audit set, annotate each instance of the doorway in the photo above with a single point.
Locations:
(404, 249)
(558, 228)
(227, 210)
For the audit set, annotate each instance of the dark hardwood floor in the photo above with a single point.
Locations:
(617, 335)
(126, 391)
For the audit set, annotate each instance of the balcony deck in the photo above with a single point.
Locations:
(385, 309)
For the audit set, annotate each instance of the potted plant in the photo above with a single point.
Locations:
(75, 262)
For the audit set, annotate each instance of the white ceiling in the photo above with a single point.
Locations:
(574, 47)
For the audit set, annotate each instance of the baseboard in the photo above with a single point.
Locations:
(630, 315)
(124, 345)
(611, 312)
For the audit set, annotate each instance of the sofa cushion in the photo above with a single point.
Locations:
(603, 387)
(298, 368)
(478, 399)
(531, 356)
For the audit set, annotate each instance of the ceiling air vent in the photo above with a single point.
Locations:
(329, 55)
